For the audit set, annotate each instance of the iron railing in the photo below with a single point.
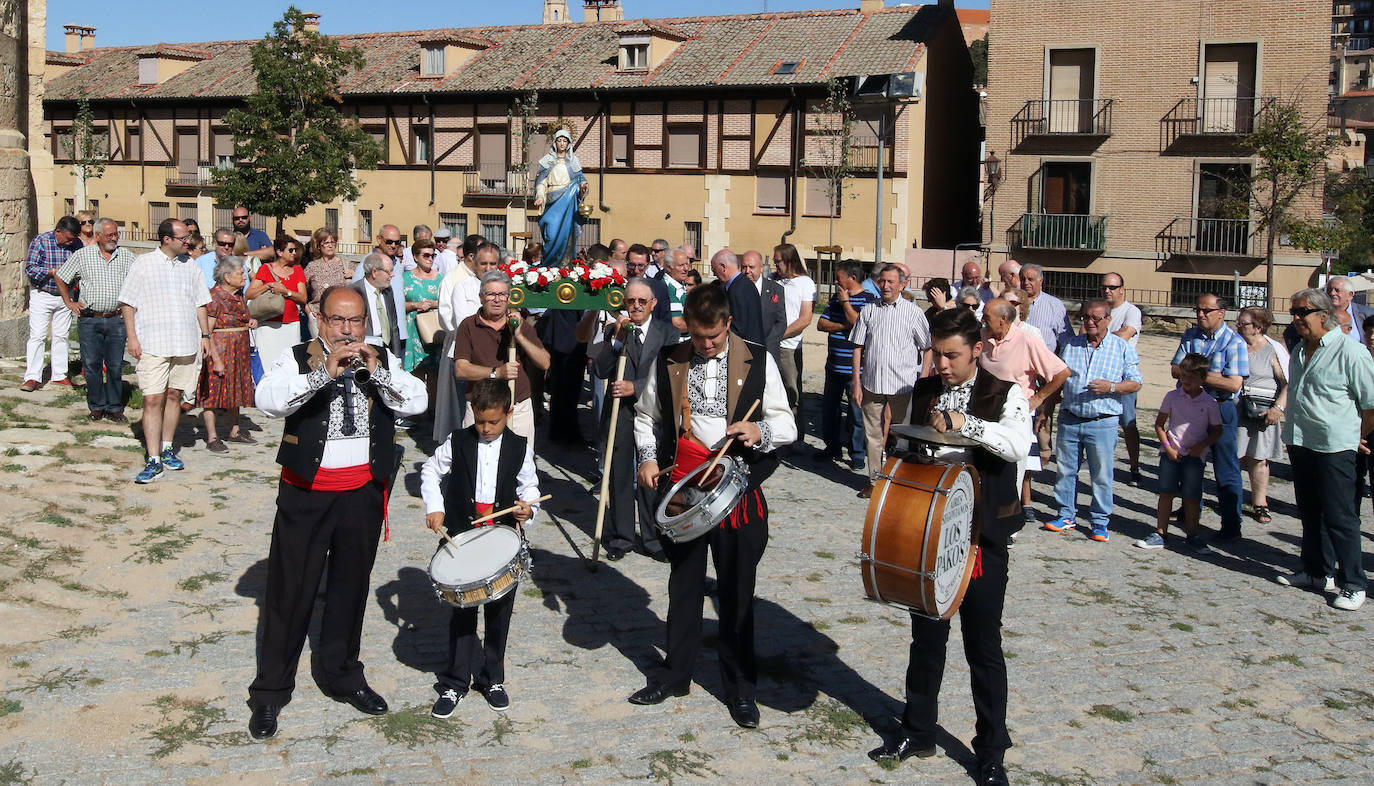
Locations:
(1062, 117)
(1211, 117)
(1059, 231)
(202, 177)
(1215, 237)
(504, 183)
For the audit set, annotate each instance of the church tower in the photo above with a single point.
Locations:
(602, 11)
(556, 12)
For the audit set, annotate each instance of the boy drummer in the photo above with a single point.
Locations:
(696, 400)
(494, 471)
(994, 414)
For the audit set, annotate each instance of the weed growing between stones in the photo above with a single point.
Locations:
(351, 773)
(201, 580)
(56, 520)
(829, 724)
(1111, 712)
(413, 727)
(81, 632)
(666, 765)
(12, 772)
(54, 680)
(208, 609)
(192, 646)
(501, 728)
(10, 707)
(1079, 777)
(185, 722)
(162, 543)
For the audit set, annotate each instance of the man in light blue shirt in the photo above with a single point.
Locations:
(223, 247)
(1330, 390)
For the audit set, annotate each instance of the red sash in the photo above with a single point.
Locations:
(341, 479)
(690, 455)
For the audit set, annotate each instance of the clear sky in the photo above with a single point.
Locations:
(176, 21)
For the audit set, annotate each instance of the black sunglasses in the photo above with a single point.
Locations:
(1300, 312)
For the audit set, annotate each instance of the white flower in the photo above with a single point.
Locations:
(516, 268)
(532, 278)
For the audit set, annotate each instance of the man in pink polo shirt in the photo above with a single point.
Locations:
(1018, 356)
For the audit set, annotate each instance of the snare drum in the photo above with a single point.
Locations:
(918, 536)
(484, 566)
(705, 507)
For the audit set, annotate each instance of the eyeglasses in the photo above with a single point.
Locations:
(87, 223)
(329, 242)
(1245, 324)
(497, 295)
(224, 243)
(1112, 286)
(396, 242)
(1206, 311)
(1300, 312)
(339, 322)
(426, 256)
(291, 250)
(636, 301)
(240, 218)
(181, 239)
(1090, 318)
(659, 250)
(969, 306)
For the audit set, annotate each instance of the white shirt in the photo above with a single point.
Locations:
(795, 291)
(446, 262)
(459, 298)
(166, 293)
(438, 466)
(282, 391)
(1126, 315)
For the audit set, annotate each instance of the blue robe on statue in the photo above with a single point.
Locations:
(561, 180)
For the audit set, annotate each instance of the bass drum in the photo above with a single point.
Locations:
(918, 536)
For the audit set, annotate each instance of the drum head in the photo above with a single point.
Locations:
(480, 554)
(955, 544)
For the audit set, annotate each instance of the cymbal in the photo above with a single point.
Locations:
(929, 435)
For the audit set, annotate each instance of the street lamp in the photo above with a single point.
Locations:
(992, 169)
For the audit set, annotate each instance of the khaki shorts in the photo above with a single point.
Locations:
(157, 374)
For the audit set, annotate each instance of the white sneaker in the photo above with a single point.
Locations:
(1303, 580)
(1349, 599)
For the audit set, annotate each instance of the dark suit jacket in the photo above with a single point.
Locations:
(664, 309)
(398, 344)
(745, 309)
(774, 314)
(639, 363)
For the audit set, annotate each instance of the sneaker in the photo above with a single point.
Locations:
(1304, 580)
(496, 697)
(1029, 513)
(1099, 533)
(1152, 541)
(64, 382)
(30, 385)
(170, 461)
(151, 472)
(1060, 525)
(1135, 478)
(1350, 599)
(447, 703)
(1197, 544)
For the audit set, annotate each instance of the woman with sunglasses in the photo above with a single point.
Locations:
(969, 300)
(422, 294)
(285, 277)
(87, 220)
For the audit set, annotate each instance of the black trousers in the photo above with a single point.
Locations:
(626, 502)
(1325, 490)
(343, 526)
(472, 660)
(565, 388)
(736, 554)
(980, 618)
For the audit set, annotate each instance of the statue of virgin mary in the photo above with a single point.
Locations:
(559, 188)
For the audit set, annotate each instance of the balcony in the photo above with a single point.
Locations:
(1208, 237)
(499, 183)
(1070, 117)
(1059, 232)
(1200, 119)
(202, 177)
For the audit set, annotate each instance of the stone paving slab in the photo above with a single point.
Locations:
(130, 616)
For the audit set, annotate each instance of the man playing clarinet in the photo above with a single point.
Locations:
(340, 397)
(695, 403)
(993, 413)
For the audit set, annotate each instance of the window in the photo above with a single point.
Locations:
(493, 228)
(457, 225)
(331, 219)
(62, 141)
(187, 210)
(422, 146)
(492, 152)
(364, 226)
(133, 147)
(691, 235)
(157, 213)
(1068, 285)
(1184, 292)
(1065, 187)
(684, 147)
(634, 53)
(147, 70)
(223, 149)
(1072, 88)
(818, 198)
(69, 207)
(432, 60)
(378, 134)
(591, 235)
(93, 205)
(620, 146)
(1228, 88)
(771, 194)
(789, 67)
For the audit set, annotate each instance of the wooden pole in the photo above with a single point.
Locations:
(510, 354)
(610, 447)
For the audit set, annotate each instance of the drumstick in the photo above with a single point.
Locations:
(610, 446)
(510, 509)
(721, 453)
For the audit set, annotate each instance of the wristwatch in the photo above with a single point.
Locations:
(492, 375)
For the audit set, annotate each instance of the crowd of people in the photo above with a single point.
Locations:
(256, 321)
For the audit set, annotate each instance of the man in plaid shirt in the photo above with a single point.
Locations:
(47, 252)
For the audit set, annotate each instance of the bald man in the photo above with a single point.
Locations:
(746, 319)
(1009, 273)
(971, 275)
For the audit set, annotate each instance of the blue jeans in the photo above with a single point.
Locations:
(838, 386)
(102, 361)
(1226, 469)
(1097, 439)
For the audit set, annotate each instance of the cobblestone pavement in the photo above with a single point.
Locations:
(130, 613)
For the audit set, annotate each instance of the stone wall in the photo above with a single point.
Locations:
(16, 191)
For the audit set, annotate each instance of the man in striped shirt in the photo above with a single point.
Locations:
(1103, 368)
(101, 269)
(838, 320)
(891, 349)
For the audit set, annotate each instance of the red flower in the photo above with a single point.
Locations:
(544, 280)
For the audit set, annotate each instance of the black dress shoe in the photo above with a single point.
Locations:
(900, 749)
(364, 699)
(263, 724)
(744, 712)
(614, 554)
(655, 694)
(992, 774)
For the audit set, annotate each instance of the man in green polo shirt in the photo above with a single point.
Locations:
(1330, 389)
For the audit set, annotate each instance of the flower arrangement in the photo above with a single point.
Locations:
(576, 284)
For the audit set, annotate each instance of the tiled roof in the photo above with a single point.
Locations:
(717, 51)
(172, 50)
(974, 16)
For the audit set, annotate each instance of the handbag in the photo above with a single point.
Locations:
(427, 324)
(1254, 405)
(269, 306)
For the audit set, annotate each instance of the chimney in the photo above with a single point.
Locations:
(87, 38)
(312, 21)
(869, 6)
(79, 38)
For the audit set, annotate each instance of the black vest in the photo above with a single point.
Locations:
(303, 437)
(999, 506)
(460, 497)
(746, 361)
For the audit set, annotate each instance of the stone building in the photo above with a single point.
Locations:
(21, 91)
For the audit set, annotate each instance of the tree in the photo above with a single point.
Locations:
(835, 141)
(978, 50)
(524, 108)
(1291, 150)
(88, 150)
(1350, 199)
(293, 147)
